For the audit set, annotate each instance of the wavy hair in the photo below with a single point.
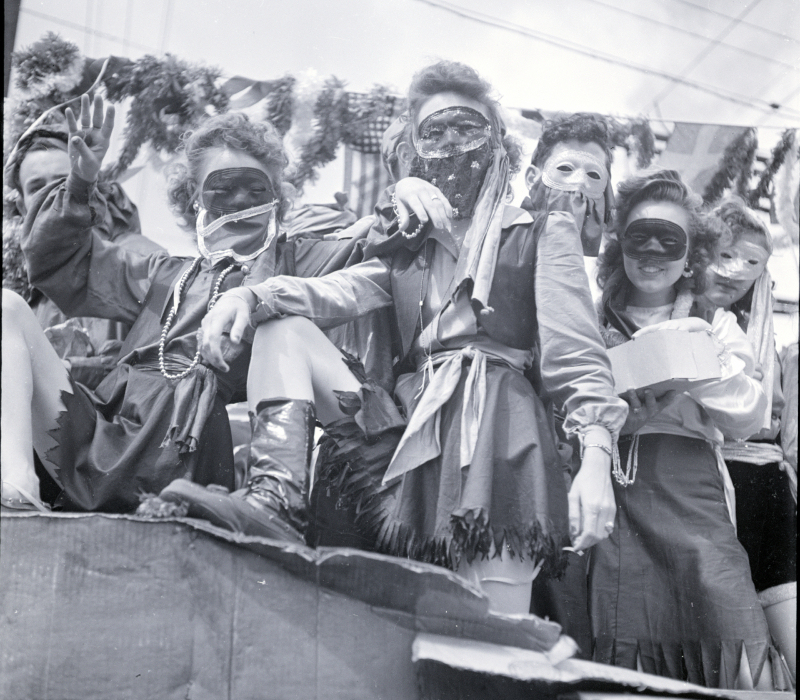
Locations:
(235, 131)
(583, 127)
(451, 76)
(659, 186)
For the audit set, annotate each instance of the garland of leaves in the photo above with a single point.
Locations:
(763, 187)
(735, 167)
(171, 96)
(280, 104)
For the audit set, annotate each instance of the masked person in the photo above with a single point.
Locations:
(40, 158)
(465, 473)
(569, 172)
(737, 280)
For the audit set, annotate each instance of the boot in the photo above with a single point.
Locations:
(274, 501)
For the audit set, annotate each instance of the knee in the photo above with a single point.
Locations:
(15, 310)
(293, 333)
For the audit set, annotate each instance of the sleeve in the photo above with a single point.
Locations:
(328, 301)
(575, 368)
(736, 401)
(69, 261)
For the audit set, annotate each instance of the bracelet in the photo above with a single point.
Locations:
(406, 234)
(605, 448)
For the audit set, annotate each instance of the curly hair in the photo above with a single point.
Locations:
(583, 127)
(739, 219)
(659, 186)
(235, 131)
(451, 76)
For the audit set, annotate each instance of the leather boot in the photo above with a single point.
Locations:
(274, 501)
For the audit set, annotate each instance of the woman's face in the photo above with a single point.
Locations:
(238, 181)
(650, 272)
(740, 261)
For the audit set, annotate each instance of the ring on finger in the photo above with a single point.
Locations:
(609, 527)
(434, 197)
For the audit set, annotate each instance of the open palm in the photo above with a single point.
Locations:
(89, 139)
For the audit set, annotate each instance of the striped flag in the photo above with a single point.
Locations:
(365, 178)
(695, 151)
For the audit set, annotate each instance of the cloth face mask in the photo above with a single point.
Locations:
(236, 189)
(459, 177)
(671, 240)
(743, 261)
(576, 171)
(451, 132)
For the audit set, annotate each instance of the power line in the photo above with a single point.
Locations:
(475, 16)
(85, 29)
(688, 32)
(785, 37)
(708, 49)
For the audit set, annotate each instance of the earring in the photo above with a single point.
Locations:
(196, 207)
(687, 271)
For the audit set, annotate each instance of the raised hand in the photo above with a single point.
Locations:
(423, 199)
(89, 139)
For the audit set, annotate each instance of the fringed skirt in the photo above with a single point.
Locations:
(512, 495)
(671, 587)
(111, 447)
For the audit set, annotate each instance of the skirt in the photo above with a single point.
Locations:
(511, 497)
(111, 448)
(671, 586)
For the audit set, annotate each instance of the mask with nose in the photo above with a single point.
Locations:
(578, 183)
(236, 215)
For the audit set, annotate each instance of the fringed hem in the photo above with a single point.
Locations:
(711, 663)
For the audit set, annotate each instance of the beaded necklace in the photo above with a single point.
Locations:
(174, 310)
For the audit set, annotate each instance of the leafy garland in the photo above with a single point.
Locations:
(280, 104)
(762, 188)
(171, 96)
(735, 168)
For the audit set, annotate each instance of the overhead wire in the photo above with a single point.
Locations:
(752, 25)
(482, 18)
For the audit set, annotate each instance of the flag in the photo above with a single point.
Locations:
(695, 151)
(365, 179)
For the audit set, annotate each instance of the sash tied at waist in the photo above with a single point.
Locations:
(421, 442)
(193, 400)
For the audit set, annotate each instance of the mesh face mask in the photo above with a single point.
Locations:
(451, 132)
(654, 239)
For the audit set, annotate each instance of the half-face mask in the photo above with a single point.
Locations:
(578, 183)
(742, 261)
(453, 151)
(237, 214)
(654, 239)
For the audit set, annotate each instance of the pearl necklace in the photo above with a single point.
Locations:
(174, 310)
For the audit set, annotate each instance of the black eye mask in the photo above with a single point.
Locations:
(236, 189)
(638, 237)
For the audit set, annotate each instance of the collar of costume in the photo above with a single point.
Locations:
(267, 232)
(451, 131)
(576, 171)
(671, 239)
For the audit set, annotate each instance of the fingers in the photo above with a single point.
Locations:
(85, 117)
(437, 208)
(80, 146)
(72, 124)
(650, 405)
(240, 323)
(97, 112)
(574, 502)
(402, 215)
(108, 124)
(210, 339)
(632, 397)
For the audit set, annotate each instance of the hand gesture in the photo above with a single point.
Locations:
(230, 312)
(592, 508)
(89, 140)
(643, 405)
(423, 199)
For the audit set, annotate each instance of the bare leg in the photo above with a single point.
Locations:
(33, 378)
(293, 359)
(780, 608)
(506, 582)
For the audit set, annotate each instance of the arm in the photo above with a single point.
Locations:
(736, 402)
(328, 301)
(576, 373)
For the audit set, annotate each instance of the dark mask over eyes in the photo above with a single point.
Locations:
(236, 189)
(654, 239)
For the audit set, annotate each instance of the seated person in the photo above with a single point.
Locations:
(466, 473)
(40, 158)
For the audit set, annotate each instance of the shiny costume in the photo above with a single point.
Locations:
(138, 431)
(479, 471)
(671, 587)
